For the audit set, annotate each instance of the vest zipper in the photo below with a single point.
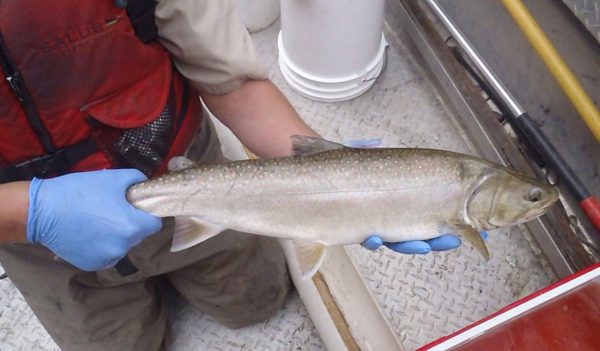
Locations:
(13, 77)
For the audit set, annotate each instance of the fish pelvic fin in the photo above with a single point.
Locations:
(190, 231)
(305, 145)
(179, 163)
(474, 238)
(310, 257)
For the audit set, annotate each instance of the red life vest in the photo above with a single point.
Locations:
(79, 90)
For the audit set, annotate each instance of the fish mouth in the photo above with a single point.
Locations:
(540, 211)
(529, 215)
(534, 213)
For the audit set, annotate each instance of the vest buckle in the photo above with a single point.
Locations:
(15, 85)
(43, 166)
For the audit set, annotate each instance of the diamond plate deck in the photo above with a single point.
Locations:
(428, 297)
(19, 328)
(423, 297)
(588, 12)
(290, 329)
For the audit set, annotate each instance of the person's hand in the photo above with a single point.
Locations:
(85, 219)
(413, 247)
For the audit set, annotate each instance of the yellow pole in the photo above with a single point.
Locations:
(555, 64)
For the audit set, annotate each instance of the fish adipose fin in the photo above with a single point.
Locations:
(310, 256)
(474, 238)
(190, 231)
(305, 145)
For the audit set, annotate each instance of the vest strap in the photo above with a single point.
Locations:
(48, 165)
(141, 15)
(14, 80)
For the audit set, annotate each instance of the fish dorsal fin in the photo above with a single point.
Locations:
(190, 231)
(178, 163)
(473, 237)
(305, 145)
(310, 256)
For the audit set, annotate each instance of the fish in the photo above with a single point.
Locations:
(328, 194)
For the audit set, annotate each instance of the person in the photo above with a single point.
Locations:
(97, 96)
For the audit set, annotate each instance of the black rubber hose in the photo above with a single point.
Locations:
(555, 162)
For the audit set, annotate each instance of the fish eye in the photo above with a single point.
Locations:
(535, 195)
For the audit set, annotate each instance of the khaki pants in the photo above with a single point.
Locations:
(238, 278)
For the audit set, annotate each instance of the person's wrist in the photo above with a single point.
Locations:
(13, 211)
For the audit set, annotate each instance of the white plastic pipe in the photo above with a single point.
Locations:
(331, 50)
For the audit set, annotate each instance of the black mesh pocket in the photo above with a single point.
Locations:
(145, 147)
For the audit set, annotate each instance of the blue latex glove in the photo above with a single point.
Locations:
(441, 243)
(85, 219)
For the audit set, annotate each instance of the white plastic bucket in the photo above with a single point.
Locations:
(331, 50)
(258, 14)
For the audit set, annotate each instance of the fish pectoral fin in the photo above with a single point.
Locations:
(190, 231)
(305, 145)
(179, 163)
(310, 256)
(474, 238)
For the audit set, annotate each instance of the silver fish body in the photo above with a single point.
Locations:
(341, 196)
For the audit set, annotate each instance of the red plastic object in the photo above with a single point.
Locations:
(591, 206)
(564, 316)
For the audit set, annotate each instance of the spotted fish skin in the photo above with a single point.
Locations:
(342, 196)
